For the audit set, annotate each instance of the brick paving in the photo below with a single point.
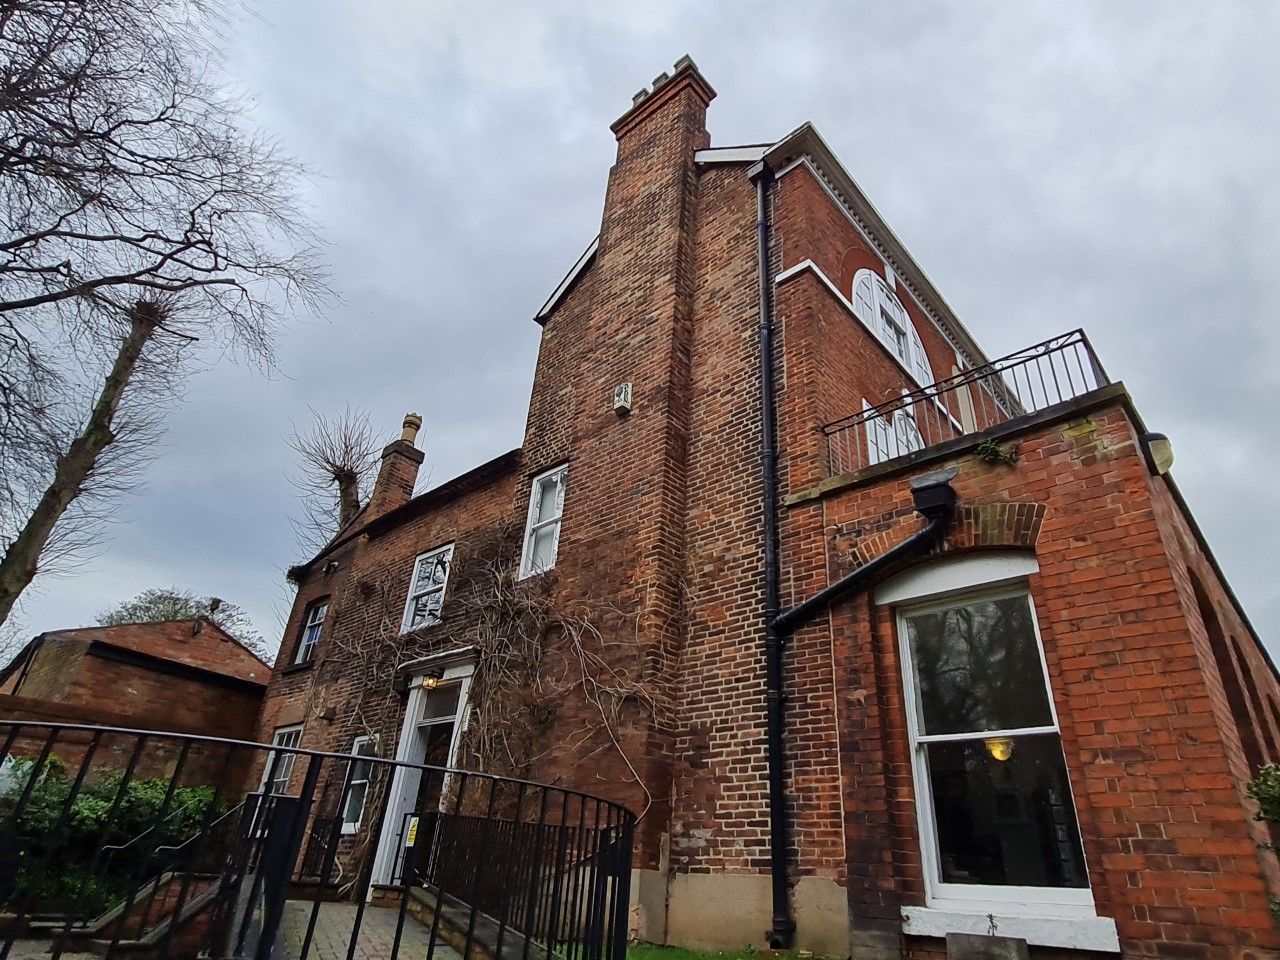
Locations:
(377, 933)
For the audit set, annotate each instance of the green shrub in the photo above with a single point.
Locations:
(1266, 790)
(64, 856)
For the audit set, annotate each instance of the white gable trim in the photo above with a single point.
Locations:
(878, 249)
(578, 268)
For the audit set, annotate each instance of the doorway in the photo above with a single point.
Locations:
(434, 721)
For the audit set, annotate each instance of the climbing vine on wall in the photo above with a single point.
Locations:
(534, 656)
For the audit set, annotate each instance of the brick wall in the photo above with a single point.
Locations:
(367, 592)
(52, 668)
(620, 564)
(66, 672)
(1170, 847)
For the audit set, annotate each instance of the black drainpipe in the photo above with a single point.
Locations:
(933, 498)
(784, 926)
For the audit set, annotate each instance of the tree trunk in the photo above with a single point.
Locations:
(348, 496)
(73, 468)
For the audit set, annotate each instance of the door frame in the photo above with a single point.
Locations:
(424, 676)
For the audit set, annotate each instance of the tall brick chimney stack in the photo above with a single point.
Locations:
(399, 470)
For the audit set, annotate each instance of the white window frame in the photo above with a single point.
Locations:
(280, 738)
(879, 309)
(311, 627)
(995, 899)
(431, 556)
(559, 475)
(353, 826)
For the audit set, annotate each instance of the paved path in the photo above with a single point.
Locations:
(377, 933)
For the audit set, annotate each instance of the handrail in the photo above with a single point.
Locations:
(117, 847)
(1018, 384)
(272, 748)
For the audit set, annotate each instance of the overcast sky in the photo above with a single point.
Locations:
(1050, 165)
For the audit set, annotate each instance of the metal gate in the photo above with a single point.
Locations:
(120, 841)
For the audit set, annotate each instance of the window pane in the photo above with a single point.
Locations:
(426, 608)
(355, 803)
(548, 499)
(288, 738)
(542, 552)
(1005, 822)
(906, 433)
(442, 702)
(977, 668)
(432, 572)
(283, 771)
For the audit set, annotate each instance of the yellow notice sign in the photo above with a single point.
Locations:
(412, 834)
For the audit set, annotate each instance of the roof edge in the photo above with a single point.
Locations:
(806, 141)
(569, 282)
(486, 472)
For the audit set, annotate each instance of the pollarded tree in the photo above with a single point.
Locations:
(142, 226)
(337, 462)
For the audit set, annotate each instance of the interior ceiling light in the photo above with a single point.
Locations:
(1000, 748)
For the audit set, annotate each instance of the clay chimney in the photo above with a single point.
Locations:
(399, 470)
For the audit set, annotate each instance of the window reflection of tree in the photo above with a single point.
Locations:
(978, 668)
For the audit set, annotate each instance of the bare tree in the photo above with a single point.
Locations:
(142, 226)
(337, 460)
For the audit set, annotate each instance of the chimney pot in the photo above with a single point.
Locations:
(412, 424)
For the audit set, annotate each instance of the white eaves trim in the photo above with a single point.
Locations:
(1077, 933)
(805, 142)
(558, 294)
(733, 154)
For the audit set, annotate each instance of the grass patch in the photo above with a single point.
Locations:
(649, 951)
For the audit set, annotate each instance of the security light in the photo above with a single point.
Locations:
(1157, 450)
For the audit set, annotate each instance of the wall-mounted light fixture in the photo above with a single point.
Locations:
(622, 399)
(1158, 452)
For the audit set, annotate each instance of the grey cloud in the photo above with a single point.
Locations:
(1050, 165)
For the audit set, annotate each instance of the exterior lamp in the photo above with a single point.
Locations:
(1158, 452)
(1000, 748)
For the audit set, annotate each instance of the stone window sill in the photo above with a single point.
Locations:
(298, 667)
(1079, 933)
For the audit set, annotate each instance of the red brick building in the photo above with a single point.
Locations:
(883, 639)
(180, 676)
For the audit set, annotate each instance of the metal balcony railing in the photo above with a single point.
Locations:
(128, 842)
(1023, 383)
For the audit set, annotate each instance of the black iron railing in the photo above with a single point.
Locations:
(121, 841)
(1022, 383)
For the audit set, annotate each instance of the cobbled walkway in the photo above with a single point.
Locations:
(377, 933)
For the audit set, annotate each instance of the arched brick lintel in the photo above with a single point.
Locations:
(974, 526)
